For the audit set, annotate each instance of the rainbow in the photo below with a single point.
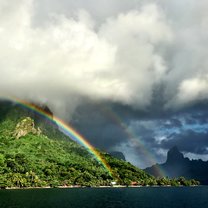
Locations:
(138, 143)
(67, 129)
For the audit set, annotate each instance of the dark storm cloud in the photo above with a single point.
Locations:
(98, 127)
(191, 121)
(189, 141)
(173, 122)
(157, 131)
(201, 117)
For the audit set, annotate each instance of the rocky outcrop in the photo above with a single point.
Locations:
(24, 127)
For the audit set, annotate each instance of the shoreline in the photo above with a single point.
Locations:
(101, 187)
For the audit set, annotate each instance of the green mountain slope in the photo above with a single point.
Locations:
(34, 153)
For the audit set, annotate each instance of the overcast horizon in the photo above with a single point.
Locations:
(130, 76)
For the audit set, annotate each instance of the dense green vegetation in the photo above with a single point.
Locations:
(37, 154)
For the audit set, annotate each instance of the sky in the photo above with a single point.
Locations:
(131, 76)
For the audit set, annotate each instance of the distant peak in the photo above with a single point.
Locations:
(174, 155)
(174, 149)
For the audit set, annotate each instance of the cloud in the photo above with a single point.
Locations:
(192, 90)
(139, 65)
(189, 141)
(122, 55)
(186, 58)
(67, 59)
(62, 51)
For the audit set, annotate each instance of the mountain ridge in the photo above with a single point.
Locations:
(177, 165)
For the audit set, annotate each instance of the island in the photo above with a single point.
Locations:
(34, 153)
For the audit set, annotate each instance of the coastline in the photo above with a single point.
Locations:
(76, 187)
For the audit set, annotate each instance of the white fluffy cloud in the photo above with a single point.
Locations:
(68, 58)
(119, 56)
(192, 90)
(138, 63)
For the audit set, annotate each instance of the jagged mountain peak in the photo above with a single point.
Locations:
(177, 165)
(174, 155)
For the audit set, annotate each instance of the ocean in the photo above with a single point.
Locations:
(141, 197)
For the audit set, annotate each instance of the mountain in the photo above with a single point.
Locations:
(118, 155)
(34, 153)
(177, 165)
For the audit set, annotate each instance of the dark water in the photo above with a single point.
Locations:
(167, 197)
